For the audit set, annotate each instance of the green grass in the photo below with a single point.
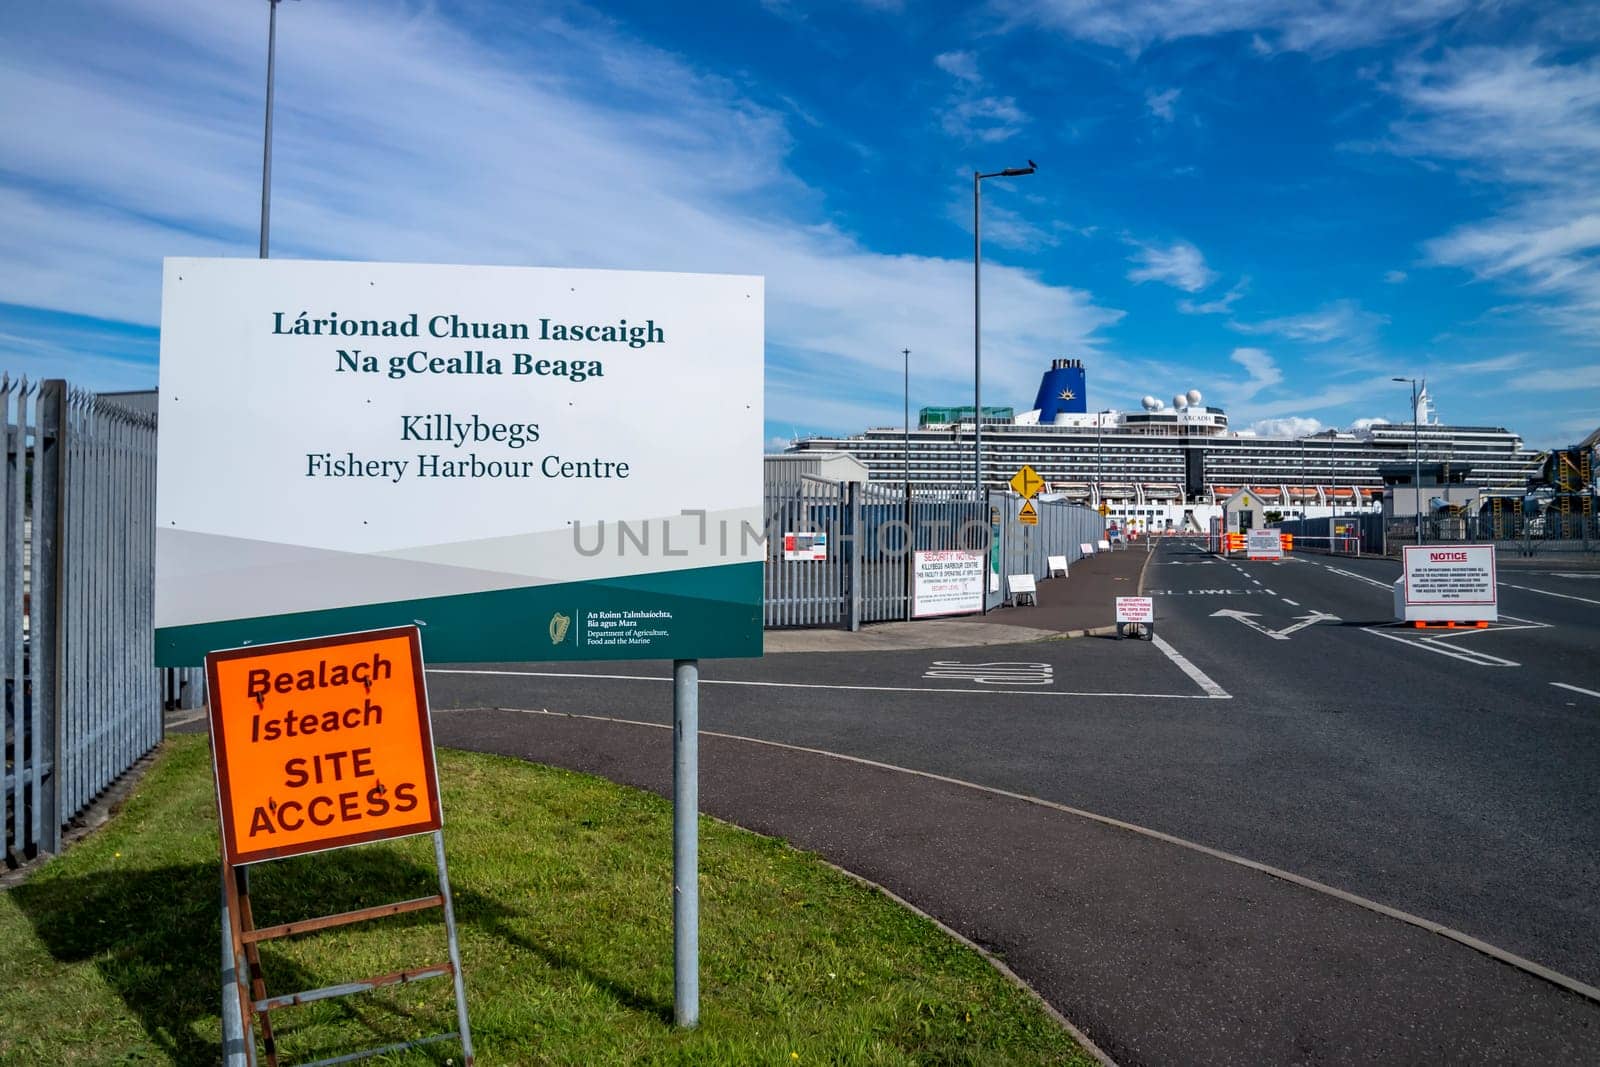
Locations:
(562, 888)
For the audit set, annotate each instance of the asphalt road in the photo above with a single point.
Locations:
(1438, 772)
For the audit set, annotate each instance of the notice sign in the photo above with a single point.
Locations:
(1454, 583)
(1264, 544)
(805, 546)
(1136, 609)
(947, 583)
(321, 743)
(524, 461)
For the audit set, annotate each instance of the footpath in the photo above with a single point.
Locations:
(1082, 604)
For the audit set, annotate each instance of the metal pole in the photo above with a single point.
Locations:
(266, 149)
(685, 841)
(1416, 448)
(977, 349)
(233, 1035)
(907, 353)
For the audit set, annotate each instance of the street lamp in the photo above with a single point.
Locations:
(906, 352)
(266, 147)
(1099, 456)
(1416, 449)
(977, 341)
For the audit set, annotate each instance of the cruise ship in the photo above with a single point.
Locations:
(1159, 460)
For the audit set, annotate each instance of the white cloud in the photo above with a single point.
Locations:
(1529, 123)
(963, 66)
(1394, 277)
(1179, 265)
(1264, 372)
(1160, 104)
(1219, 306)
(1341, 320)
(1288, 25)
(989, 119)
(1289, 426)
(402, 137)
(1369, 422)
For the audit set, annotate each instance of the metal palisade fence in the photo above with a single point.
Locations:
(842, 553)
(83, 700)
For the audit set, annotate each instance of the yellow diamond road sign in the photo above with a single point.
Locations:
(1028, 516)
(1027, 482)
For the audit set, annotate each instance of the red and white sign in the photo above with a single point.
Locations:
(805, 546)
(1264, 544)
(1136, 609)
(1448, 583)
(947, 583)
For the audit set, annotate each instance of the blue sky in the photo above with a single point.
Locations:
(1283, 203)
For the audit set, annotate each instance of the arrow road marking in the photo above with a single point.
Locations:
(1248, 618)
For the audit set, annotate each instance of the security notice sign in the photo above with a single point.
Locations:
(947, 583)
(321, 743)
(1136, 609)
(1448, 583)
(530, 463)
(1264, 544)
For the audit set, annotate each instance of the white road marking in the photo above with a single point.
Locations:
(1196, 675)
(1271, 593)
(1576, 689)
(1219, 695)
(1360, 577)
(992, 673)
(1248, 618)
(1546, 592)
(1291, 603)
(1521, 963)
(1479, 659)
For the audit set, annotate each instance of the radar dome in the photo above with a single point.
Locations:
(1194, 396)
(1180, 402)
(1150, 403)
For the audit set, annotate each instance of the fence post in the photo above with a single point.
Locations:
(46, 604)
(853, 509)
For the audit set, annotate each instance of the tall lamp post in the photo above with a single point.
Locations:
(906, 352)
(266, 140)
(1416, 450)
(977, 336)
(1099, 456)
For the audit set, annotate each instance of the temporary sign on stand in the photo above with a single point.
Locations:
(317, 745)
(1447, 583)
(1136, 614)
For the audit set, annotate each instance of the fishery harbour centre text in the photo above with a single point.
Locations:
(463, 434)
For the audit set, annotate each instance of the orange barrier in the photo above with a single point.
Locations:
(1288, 541)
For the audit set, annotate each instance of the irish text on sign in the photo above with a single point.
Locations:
(321, 743)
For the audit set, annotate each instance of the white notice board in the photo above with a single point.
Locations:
(947, 583)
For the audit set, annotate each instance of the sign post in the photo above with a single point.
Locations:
(475, 452)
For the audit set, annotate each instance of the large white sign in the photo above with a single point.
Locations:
(531, 463)
(1448, 583)
(947, 583)
(1263, 544)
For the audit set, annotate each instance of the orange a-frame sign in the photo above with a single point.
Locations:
(321, 743)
